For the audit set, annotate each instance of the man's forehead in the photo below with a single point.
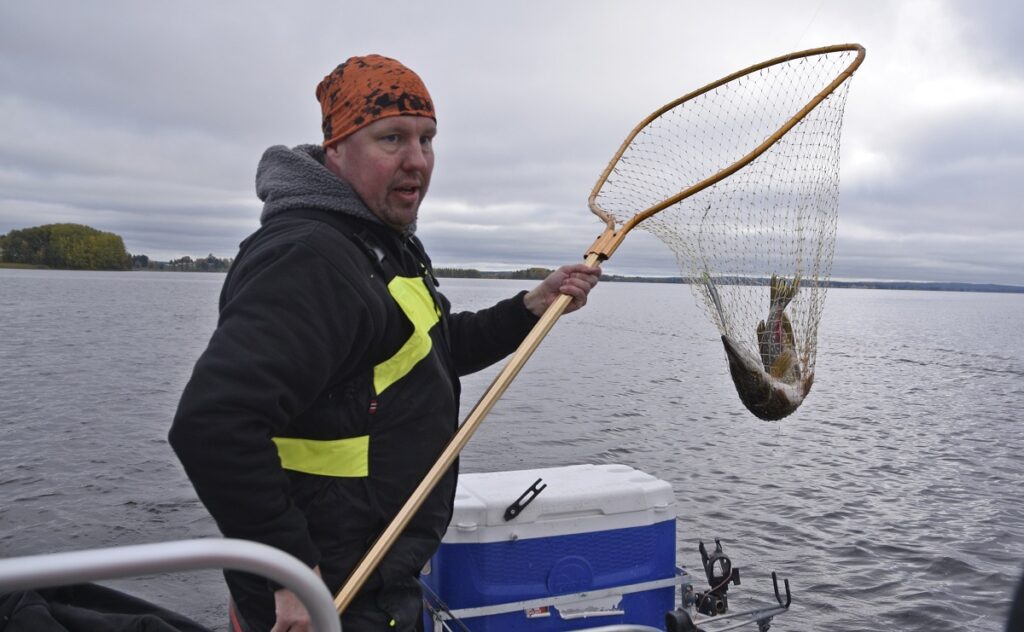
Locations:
(420, 124)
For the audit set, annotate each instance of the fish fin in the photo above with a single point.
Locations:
(787, 328)
(715, 298)
(763, 344)
(782, 364)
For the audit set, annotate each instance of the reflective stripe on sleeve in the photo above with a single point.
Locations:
(417, 304)
(341, 458)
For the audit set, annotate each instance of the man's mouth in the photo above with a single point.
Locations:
(408, 192)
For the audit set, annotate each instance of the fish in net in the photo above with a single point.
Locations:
(740, 179)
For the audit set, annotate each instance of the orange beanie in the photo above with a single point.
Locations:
(365, 89)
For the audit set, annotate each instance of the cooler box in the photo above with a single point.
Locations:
(602, 530)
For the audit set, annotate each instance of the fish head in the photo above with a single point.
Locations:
(767, 397)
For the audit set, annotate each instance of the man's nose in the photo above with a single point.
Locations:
(414, 157)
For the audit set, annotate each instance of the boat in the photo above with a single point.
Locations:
(578, 547)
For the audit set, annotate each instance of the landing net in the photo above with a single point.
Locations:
(774, 216)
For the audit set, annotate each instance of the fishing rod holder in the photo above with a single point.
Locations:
(714, 603)
(720, 573)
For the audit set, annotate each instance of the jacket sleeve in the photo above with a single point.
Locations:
(479, 339)
(277, 344)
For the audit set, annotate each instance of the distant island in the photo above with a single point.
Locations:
(64, 246)
(79, 247)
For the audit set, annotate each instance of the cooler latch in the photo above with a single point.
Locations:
(524, 499)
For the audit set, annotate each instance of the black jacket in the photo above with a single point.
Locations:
(306, 316)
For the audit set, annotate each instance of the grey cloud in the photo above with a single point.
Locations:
(148, 120)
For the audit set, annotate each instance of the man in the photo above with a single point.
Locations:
(331, 384)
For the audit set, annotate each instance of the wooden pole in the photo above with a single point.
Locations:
(451, 452)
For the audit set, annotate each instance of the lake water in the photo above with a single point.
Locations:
(892, 500)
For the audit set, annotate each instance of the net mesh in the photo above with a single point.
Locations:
(774, 217)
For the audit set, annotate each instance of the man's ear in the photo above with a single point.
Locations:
(332, 159)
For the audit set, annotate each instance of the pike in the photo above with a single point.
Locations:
(772, 386)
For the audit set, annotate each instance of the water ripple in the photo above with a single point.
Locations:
(891, 499)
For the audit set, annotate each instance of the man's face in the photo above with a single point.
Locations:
(388, 163)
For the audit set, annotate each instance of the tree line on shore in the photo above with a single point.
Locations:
(79, 247)
(65, 246)
(208, 263)
(470, 273)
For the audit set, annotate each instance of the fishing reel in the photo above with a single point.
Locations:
(720, 573)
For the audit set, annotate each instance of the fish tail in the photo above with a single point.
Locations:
(782, 291)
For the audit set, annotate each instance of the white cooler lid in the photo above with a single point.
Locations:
(577, 499)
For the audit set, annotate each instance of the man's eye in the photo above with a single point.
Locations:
(427, 141)
(390, 138)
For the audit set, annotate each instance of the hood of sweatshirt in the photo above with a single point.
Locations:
(292, 179)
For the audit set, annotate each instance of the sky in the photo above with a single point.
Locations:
(148, 119)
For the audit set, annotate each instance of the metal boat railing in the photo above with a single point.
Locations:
(57, 569)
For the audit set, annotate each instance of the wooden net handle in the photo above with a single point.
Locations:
(451, 452)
